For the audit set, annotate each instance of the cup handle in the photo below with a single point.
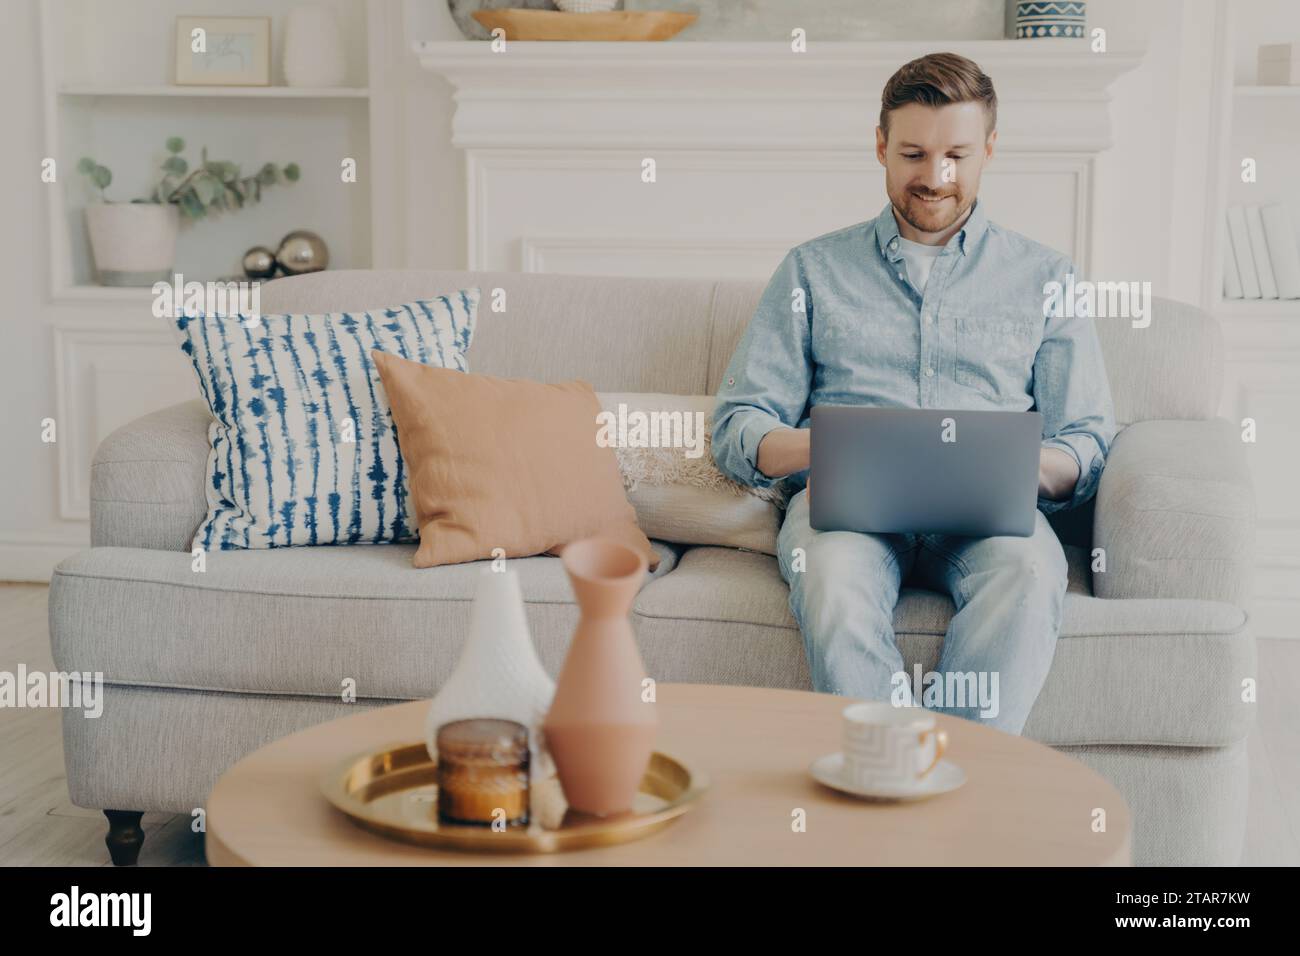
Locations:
(940, 746)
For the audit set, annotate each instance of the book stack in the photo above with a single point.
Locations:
(1260, 258)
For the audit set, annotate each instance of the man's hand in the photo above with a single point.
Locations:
(783, 451)
(1058, 473)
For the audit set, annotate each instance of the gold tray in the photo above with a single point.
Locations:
(394, 792)
(522, 24)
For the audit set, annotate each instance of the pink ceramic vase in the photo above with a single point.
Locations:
(599, 731)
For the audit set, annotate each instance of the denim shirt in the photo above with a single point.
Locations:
(840, 324)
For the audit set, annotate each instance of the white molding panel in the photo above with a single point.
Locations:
(747, 138)
(105, 378)
(753, 95)
(711, 197)
(730, 257)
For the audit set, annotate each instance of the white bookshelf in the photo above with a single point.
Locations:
(1282, 309)
(1261, 336)
(223, 92)
(1254, 91)
(109, 94)
(1256, 121)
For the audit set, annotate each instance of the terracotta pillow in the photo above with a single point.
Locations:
(503, 463)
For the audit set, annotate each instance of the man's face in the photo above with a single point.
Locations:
(933, 159)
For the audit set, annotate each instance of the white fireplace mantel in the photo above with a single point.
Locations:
(756, 148)
(721, 95)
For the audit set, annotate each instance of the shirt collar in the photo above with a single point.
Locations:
(887, 231)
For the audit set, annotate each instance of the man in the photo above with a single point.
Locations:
(929, 305)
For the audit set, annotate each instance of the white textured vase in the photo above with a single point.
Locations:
(313, 47)
(134, 243)
(498, 673)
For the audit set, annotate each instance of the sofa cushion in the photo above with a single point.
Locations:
(304, 621)
(304, 450)
(290, 621)
(1125, 671)
(502, 466)
(671, 479)
(644, 334)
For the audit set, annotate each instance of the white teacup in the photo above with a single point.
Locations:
(890, 747)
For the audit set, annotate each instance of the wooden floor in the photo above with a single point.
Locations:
(39, 826)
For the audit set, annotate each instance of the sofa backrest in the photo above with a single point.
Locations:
(677, 335)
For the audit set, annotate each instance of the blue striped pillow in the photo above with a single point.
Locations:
(304, 448)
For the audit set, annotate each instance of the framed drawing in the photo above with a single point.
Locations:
(223, 51)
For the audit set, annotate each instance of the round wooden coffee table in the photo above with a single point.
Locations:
(1023, 803)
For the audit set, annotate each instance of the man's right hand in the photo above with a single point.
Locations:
(783, 451)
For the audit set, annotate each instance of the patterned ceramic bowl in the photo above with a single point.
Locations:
(1051, 19)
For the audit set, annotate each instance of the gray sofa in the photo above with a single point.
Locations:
(1146, 684)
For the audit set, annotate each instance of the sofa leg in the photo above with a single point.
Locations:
(125, 836)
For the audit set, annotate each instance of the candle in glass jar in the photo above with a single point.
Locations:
(483, 772)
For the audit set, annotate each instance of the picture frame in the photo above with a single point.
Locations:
(237, 51)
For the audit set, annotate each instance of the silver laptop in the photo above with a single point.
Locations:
(886, 470)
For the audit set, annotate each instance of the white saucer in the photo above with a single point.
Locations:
(945, 777)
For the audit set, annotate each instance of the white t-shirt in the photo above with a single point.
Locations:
(919, 258)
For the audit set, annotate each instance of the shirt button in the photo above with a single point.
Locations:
(731, 381)
(893, 243)
(929, 373)
(900, 275)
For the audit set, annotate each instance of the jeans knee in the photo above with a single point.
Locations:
(828, 600)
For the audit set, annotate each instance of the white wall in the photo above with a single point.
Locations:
(1134, 184)
(1147, 215)
(29, 526)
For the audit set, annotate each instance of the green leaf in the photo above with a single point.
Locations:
(85, 165)
(175, 144)
(191, 206)
(266, 175)
(175, 164)
(292, 172)
(206, 189)
(101, 176)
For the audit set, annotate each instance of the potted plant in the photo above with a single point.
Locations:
(134, 243)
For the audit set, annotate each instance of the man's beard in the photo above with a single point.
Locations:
(930, 216)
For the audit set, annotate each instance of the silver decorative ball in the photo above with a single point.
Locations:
(259, 263)
(302, 251)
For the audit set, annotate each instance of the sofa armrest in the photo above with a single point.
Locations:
(147, 480)
(1176, 513)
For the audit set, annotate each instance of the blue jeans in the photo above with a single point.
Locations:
(1008, 594)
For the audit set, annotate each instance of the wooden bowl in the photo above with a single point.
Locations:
(522, 24)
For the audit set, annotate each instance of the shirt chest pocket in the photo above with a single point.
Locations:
(995, 353)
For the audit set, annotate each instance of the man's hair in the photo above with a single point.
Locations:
(938, 79)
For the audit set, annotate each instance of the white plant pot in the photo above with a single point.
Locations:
(313, 47)
(498, 673)
(133, 243)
